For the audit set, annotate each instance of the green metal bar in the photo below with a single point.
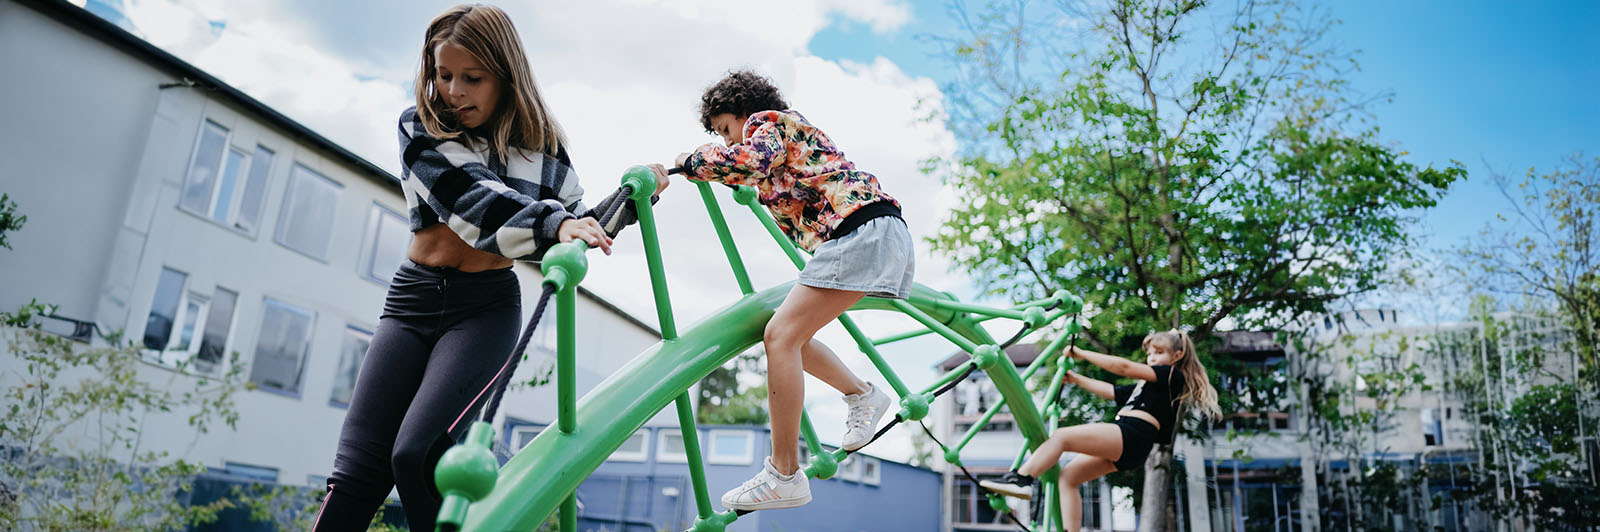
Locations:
(929, 322)
(777, 234)
(978, 427)
(569, 513)
(566, 359)
(721, 224)
(691, 447)
(975, 309)
(902, 336)
(822, 465)
(658, 274)
(865, 344)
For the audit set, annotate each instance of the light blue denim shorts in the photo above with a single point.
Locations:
(875, 258)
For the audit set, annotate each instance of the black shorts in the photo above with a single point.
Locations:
(1138, 436)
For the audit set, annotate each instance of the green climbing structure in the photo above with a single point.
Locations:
(543, 477)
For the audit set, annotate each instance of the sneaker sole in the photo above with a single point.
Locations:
(777, 504)
(1007, 490)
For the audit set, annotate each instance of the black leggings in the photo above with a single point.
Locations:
(444, 336)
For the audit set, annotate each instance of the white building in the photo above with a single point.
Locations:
(169, 205)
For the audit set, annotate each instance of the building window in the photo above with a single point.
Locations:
(163, 309)
(636, 449)
(309, 210)
(225, 183)
(254, 189)
(199, 186)
(354, 350)
(218, 325)
(281, 346)
(735, 447)
(670, 445)
(253, 472)
(523, 435)
(187, 328)
(972, 506)
(1432, 427)
(849, 468)
(871, 470)
(388, 236)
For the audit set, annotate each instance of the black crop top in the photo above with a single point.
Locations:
(1156, 398)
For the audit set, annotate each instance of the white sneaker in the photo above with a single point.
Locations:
(769, 491)
(865, 410)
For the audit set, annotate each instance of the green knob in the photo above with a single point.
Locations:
(744, 194)
(1071, 303)
(998, 503)
(915, 407)
(952, 456)
(565, 264)
(642, 180)
(986, 356)
(465, 474)
(823, 466)
(1034, 317)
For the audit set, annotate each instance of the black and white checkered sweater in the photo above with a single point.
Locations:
(511, 209)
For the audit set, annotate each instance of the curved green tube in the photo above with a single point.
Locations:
(540, 476)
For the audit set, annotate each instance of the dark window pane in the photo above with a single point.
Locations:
(163, 309)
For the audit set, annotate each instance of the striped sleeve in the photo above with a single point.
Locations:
(457, 184)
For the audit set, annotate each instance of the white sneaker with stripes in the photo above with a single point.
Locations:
(866, 409)
(769, 491)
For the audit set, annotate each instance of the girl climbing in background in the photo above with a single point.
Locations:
(487, 180)
(861, 247)
(1172, 381)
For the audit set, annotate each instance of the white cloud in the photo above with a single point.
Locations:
(623, 77)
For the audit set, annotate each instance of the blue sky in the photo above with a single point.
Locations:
(1499, 86)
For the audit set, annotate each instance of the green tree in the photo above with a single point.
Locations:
(73, 414)
(1546, 250)
(1179, 165)
(10, 219)
(723, 400)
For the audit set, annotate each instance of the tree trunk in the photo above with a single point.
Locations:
(1153, 514)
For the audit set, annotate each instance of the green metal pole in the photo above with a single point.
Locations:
(902, 336)
(777, 234)
(569, 513)
(975, 309)
(865, 344)
(929, 322)
(566, 359)
(721, 224)
(823, 465)
(691, 447)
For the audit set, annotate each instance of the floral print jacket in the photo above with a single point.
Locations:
(802, 178)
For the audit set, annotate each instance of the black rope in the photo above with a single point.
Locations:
(1020, 333)
(616, 206)
(516, 353)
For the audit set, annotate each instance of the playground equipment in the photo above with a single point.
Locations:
(543, 477)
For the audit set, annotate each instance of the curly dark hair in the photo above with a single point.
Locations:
(741, 93)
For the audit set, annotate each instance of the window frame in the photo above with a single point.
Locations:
(311, 334)
(643, 455)
(662, 455)
(237, 197)
(370, 239)
(288, 206)
(747, 457)
(349, 329)
(876, 466)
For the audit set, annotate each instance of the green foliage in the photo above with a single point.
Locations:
(723, 400)
(10, 220)
(73, 415)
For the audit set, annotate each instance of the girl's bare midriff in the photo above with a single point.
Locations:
(437, 245)
(1130, 412)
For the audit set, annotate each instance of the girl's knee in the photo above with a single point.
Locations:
(781, 335)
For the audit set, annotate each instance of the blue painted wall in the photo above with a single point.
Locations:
(656, 494)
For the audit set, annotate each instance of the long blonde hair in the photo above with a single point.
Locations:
(1197, 394)
(521, 118)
